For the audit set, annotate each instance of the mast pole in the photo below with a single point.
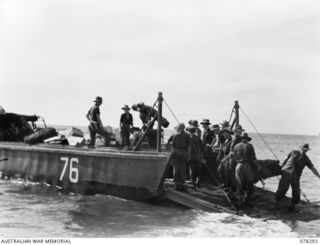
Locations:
(160, 100)
(236, 109)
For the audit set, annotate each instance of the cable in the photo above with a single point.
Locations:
(171, 111)
(259, 134)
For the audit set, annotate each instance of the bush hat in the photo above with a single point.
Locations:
(140, 104)
(245, 137)
(195, 123)
(205, 121)
(98, 99)
(180, 126)
(305, 147)
(126, 107)
(225, 123)
(215, 127)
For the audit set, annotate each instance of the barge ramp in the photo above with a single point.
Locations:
(212, 199)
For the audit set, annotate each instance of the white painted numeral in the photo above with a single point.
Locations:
(66, 161)
(73, 169)
(73, 173)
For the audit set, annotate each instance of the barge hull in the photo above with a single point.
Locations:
(125, 174)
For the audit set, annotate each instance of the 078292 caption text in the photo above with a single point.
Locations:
(309, 241)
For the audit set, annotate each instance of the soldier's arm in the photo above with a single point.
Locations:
(232, 145)
(131, 121)
(315, 171)
(88, 116)
(170, 139)
(99, 121)
(311, 167)
(252, 154)
(213, 141)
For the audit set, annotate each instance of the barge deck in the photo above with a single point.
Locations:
(212, 199)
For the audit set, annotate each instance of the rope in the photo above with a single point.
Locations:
(171, 111)
(302, 192)
(259, 134)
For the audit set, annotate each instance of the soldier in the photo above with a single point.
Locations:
(227, 165)
(216, 142)
(197, 150)
(244, 156)
(224, 124)
(190, 125)
(224, 160)
(292, 168)
(126, 123)
(195, 124)
(180, 155)
(237, 136)
(226, 146)
(147, 113)
(209, 156)
(208, 135)
(96, 126)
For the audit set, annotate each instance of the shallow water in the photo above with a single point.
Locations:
(38, 210)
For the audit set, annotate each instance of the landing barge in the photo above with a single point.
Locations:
(130, 174)
(135, 174)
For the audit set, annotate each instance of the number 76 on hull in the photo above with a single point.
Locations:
(72, 163)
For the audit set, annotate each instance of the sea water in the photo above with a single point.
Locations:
(37, 210)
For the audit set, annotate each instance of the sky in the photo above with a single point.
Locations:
(56, 56)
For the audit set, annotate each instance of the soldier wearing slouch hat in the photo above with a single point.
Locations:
(292, 168)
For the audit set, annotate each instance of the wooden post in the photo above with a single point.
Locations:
(235, 121)
(160, 100)
(236, 110)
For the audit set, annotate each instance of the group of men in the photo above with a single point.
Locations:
(229, 161)
(96, 126)
(213, 154)
(146, 114)
(202, 153)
